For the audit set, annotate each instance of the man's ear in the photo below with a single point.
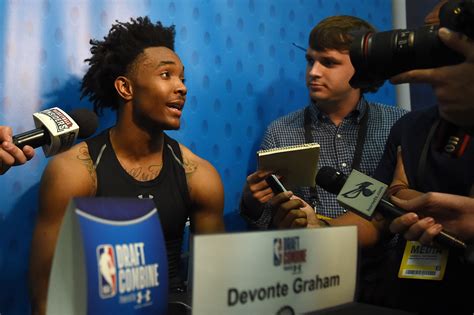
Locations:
(124, 88)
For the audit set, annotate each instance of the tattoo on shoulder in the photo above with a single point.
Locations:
(86, 160)
(189, 166)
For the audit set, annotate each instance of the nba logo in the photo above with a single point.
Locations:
(107, 271)
(277, 252)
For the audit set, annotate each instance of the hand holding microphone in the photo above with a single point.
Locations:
(455, 213)
(10, 154)
(363, 195)
(56, 132)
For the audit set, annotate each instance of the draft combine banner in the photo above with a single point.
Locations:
(110, 259)
(274, 272)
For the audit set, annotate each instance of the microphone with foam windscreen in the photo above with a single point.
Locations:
(56, 131)
(363, 195)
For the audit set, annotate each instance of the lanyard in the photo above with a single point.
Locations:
(361, 135)
(424, 154)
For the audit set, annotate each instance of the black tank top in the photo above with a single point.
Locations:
(168, 190)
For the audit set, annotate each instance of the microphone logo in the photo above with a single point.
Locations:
(360, 188)
(59, 118)
(358, 184)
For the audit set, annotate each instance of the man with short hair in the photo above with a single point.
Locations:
(350, 130)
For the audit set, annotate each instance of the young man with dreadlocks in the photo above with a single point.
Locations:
(134, 71)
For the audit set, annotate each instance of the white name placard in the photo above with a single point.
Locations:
(274, 272)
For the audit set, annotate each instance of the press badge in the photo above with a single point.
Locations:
(423, 262)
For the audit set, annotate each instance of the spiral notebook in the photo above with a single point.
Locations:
(296, 164)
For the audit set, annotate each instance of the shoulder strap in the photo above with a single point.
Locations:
(307, 126)
(361, 135)
(172, 146)
(424, 154)
(96, 144)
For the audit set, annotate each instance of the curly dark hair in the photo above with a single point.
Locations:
(335, 33)
(116, 55)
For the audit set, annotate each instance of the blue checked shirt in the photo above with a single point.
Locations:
(338, 144)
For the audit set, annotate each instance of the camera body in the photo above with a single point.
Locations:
(379, 56)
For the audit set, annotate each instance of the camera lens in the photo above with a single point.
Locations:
(379, 56)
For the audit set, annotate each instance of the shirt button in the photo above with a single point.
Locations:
(345, 211)
(343, 164)
(338, 136)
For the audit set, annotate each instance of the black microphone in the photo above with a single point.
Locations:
(363, 195)
(57, 131)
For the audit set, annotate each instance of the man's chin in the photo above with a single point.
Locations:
(167, 126)
(173, 126)
(319, 94)
(318, 98)
(172, 123)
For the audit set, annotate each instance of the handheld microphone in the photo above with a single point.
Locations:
(363, 195)
(56, 131)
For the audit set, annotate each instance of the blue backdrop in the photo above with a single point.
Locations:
(242, 72)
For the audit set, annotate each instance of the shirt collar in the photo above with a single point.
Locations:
(318, 116)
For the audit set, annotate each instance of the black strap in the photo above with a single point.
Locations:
(308, 138)
(424, 154)
(361, 135)
(307, 126)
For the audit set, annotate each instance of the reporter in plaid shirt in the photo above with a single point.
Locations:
(351, 131)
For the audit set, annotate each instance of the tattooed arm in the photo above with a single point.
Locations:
(206, 192)
(69, 174)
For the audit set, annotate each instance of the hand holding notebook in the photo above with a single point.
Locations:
(296, 164)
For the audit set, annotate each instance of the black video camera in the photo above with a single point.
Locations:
(379, 56)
